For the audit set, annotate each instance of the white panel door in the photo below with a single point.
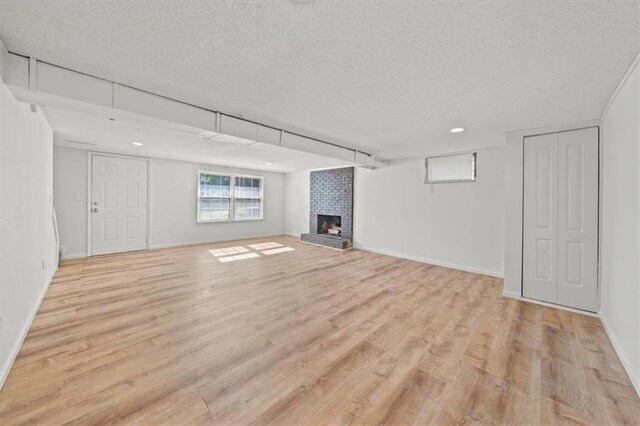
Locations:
(118, 204)
(578, 219)
(540, 234)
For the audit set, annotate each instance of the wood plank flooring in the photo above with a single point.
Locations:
(308, 336)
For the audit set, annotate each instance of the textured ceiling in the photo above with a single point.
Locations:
(390, 77)
(89, 132)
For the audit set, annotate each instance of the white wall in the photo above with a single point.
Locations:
(298, 203)
(27, 241)
(620, 277)
(460, 225)
(173, 189)
(69, 181)
(173, 205)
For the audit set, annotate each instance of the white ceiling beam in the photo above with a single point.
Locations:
(49, 85)
(144, 103)
(15, 71)
(301, 143)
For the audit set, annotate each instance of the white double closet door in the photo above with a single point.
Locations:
(560, 235)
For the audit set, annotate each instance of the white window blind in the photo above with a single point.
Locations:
(224, 197)
(451, 168)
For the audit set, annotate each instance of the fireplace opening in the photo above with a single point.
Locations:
(328, 224)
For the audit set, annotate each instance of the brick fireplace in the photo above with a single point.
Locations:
(331, 208)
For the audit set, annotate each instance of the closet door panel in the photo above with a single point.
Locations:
(578, 219)
(540, 243)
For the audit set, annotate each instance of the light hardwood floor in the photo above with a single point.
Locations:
(310, 336)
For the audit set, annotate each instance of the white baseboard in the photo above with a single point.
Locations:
(635, 381)
(6, 368)
(424, 260)
(74, 256)
(511, 294)
(517, 296)
(182, 244)
(433, 262)
(194, 243)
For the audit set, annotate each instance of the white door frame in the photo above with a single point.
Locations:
(514, 174)
(90, 155)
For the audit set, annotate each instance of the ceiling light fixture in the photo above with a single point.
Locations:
(457, 130)
(269, 163)
(137, 143)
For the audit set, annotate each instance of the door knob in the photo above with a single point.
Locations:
(95, 203)
(95, 210)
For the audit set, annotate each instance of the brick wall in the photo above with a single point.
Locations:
(332, 194)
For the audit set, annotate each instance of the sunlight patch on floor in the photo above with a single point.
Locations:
(231, 254)
(278, 250)
(229, 251)
(265, 246)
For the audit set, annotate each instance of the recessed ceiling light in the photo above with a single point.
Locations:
(137, 143)
(269, 163)
(457, 130)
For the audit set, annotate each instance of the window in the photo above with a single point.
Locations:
(225, 197)
(451, 168)
(214, 197)
(248, 198)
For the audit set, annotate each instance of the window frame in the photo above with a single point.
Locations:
(232, 197)
(474, 168)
